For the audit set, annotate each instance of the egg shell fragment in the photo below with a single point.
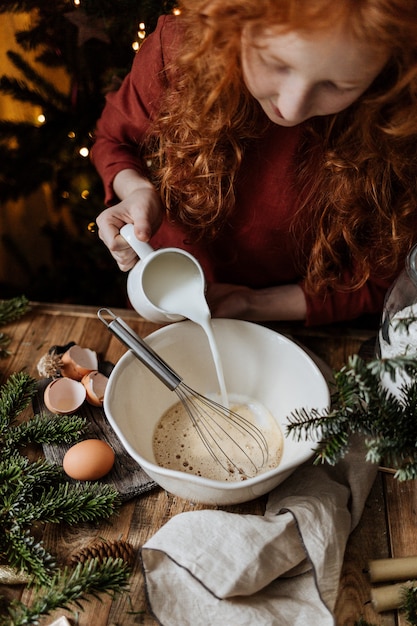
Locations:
(95, 384)
(90, 459)
(76, 362)
(64, 396)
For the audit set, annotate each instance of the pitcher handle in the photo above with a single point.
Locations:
(141, 248)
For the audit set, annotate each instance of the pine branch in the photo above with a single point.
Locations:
(72, 503)
(15, 396)
(21, 479)
(26, 6)
(39, 491)
(20, 91)
(52, 98)
(13, 309)
(11, 469)
(25, 501)
(409, 604)
(47, 429)
(14, 6)
(21, 496)
(92, 578)
(363, 405)
(24, 553)
(4, 343)
(34, 37)
(34, 492)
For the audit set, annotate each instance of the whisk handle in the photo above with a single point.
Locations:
(140, 349)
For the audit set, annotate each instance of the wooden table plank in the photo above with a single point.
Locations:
(368, 541)
(401, 508)
(387, 526)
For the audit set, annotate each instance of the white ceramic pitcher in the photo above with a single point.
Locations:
(165, 284)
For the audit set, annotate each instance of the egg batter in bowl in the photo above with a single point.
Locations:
(177, 444)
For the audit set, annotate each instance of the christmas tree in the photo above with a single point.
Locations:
(94, 42)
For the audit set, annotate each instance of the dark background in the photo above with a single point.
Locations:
(58, 61)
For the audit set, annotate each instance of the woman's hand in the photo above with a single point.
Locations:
(286, 302)
(140, 205)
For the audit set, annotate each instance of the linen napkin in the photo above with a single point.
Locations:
(215, 568)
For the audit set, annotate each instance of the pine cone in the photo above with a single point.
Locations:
(102, 549)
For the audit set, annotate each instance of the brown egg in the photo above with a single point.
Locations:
(89, 460)
(78, 361)
(64, 396)
(95, 385)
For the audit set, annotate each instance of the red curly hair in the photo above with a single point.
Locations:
(357, 169)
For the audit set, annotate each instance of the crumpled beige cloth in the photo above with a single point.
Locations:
(214, 568)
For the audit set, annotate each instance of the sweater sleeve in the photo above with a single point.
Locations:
(126, 116)
(337, 306)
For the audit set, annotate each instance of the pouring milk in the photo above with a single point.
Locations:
(168, 285)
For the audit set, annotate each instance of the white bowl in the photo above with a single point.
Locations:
(257, 362)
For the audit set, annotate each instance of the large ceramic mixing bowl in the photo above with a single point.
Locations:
(257, 362)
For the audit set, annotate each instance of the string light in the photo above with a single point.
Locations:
(84, 151)
(71, 134)
(141, 33)
(85, 194)
(41, 118)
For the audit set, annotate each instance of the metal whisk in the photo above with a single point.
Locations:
(213, 422)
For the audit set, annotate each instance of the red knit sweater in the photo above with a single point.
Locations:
(257, 248)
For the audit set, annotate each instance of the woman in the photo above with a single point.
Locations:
(275, 140)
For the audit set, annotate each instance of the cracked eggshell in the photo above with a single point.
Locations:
(95, 384)
(64, 396)
(76, 362)
(90, 459)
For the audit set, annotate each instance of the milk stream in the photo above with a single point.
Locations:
(186, 297)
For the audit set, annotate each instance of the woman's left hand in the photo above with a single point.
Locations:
(228, 301)
(285, 302)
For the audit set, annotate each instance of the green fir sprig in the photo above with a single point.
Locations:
(409, 603)
(361, 403)
(69, 587)
(35, 493)
(15, 396)
(11, 310)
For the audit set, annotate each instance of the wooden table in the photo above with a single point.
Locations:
(387, 528)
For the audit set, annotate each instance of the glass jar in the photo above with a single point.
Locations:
(398, 331)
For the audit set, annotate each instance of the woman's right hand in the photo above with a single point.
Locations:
(141, 206)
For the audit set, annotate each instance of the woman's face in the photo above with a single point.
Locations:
(296, 75)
